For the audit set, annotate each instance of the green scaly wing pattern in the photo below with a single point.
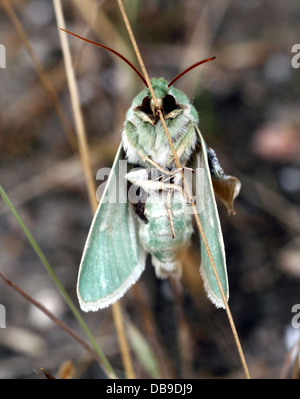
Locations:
(112, 259)
(208, 214)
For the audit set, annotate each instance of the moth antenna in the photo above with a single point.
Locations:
(190, 68)
(112, 51)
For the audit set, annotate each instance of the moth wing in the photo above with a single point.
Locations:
(112, 259)
(209, 217)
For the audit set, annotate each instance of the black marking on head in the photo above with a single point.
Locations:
(145, 106)
(169, 104)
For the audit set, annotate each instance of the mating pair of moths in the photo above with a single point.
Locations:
(160, 221)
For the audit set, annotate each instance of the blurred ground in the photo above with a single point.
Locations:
(248, 100)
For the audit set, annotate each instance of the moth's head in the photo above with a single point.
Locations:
(166, 101)
(169, 100)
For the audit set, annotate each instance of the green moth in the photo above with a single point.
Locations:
(145, 209)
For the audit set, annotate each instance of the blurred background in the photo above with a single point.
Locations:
(248, 102)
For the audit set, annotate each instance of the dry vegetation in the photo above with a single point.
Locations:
(248, 100)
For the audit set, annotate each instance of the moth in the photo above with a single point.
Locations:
(157, 220)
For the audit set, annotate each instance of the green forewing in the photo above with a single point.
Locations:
(112, 259)
(208, 214)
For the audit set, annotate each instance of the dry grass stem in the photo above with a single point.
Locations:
(86, 162)
(178, 165)
(67, 127)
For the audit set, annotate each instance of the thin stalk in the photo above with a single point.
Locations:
(86, 163)
(178, 165)
(40, 254)
(67, 127)
(118, 319)
(77, 113)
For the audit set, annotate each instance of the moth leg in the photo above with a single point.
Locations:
(140, 178)
(169, 212)
(177, 187)
(175, 173)
(172, 186)
(172, 174)
(148, 158)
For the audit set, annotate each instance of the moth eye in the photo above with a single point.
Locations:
(145, 107)
(169, 104)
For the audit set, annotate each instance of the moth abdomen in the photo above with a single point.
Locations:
(156, 237)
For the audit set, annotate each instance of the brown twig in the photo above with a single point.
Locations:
(86, 163)
(193, 205)
(67, 127)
